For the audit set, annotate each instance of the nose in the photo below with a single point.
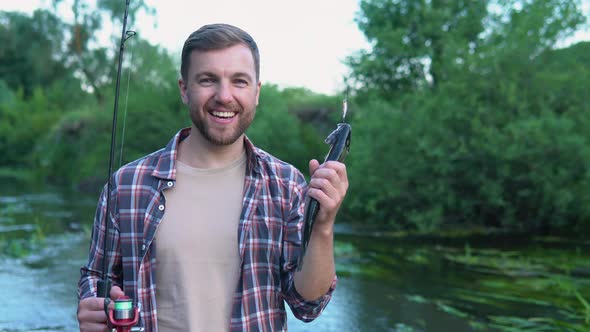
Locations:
(223, 93)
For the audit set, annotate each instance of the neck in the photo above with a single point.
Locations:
(196, 151)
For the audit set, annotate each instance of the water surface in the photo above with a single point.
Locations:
(385, 284)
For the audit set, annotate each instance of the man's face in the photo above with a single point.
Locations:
(221, 91)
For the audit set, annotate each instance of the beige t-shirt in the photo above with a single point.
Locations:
(198, 261)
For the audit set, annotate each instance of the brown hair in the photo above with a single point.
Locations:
(215, 37)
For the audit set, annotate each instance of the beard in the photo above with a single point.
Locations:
(229, 134)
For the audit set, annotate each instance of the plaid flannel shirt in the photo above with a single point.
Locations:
(269, 236)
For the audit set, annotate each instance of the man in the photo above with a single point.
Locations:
(207, 230)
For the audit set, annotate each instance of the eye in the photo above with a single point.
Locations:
(206, 81)
(242, 83)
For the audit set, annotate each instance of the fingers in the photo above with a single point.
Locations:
(91, 315)
(92, 304)
(328, 185)
(328, 196)
(313, 166)
(324, 191)
(336, 166)
(116, 292)
(332, 171)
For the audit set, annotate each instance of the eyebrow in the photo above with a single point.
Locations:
(243, 75)
(204, 73)
(235, 75)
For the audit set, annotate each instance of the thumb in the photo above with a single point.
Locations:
(116, 292)
(313, 166)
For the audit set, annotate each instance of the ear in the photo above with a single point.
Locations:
(258, 85)
(182, 87)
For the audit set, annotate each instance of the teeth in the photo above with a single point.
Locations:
(223, 114)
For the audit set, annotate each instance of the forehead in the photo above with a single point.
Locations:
(233, 59)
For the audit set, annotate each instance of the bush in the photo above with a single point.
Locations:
(281, 133)
(22, 123)
(430, 161)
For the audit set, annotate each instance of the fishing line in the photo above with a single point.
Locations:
(126, 105)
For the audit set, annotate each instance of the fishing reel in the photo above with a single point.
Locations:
(123, 316)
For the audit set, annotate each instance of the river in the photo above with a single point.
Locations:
(385, 283)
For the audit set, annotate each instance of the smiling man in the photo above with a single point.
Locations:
(208, 229)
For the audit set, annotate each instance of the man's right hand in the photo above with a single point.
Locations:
(91, 315)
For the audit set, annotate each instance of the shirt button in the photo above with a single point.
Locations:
(161, 207)
(170, 183)
(143, 247)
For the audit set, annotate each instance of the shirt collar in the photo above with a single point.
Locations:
(166, 164)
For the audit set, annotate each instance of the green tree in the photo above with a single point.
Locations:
(418, 44)
(280, 129)
(32, 54)
(95, 63)
(479, 133)
(22, 122)
(415, 44)
(150, 112)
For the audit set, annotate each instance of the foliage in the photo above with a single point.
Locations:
(146, 121)
(317, 110)
(92, 62)
(429, 160)
(415, 43)
(20, 133)
(420, 44)
(280, 132)
(488, 129)
(464, 114)
(24, 39)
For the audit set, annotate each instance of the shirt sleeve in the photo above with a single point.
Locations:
(301, 308)
(91, 273)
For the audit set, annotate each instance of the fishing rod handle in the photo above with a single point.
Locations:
(339, 141)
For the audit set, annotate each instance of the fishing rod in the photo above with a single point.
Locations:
(125, 314)
(339, 141)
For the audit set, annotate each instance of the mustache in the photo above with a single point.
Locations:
(216, 105)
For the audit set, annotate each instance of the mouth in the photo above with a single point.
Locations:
(223, 114)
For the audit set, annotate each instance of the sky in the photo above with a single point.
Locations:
(302, 43)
